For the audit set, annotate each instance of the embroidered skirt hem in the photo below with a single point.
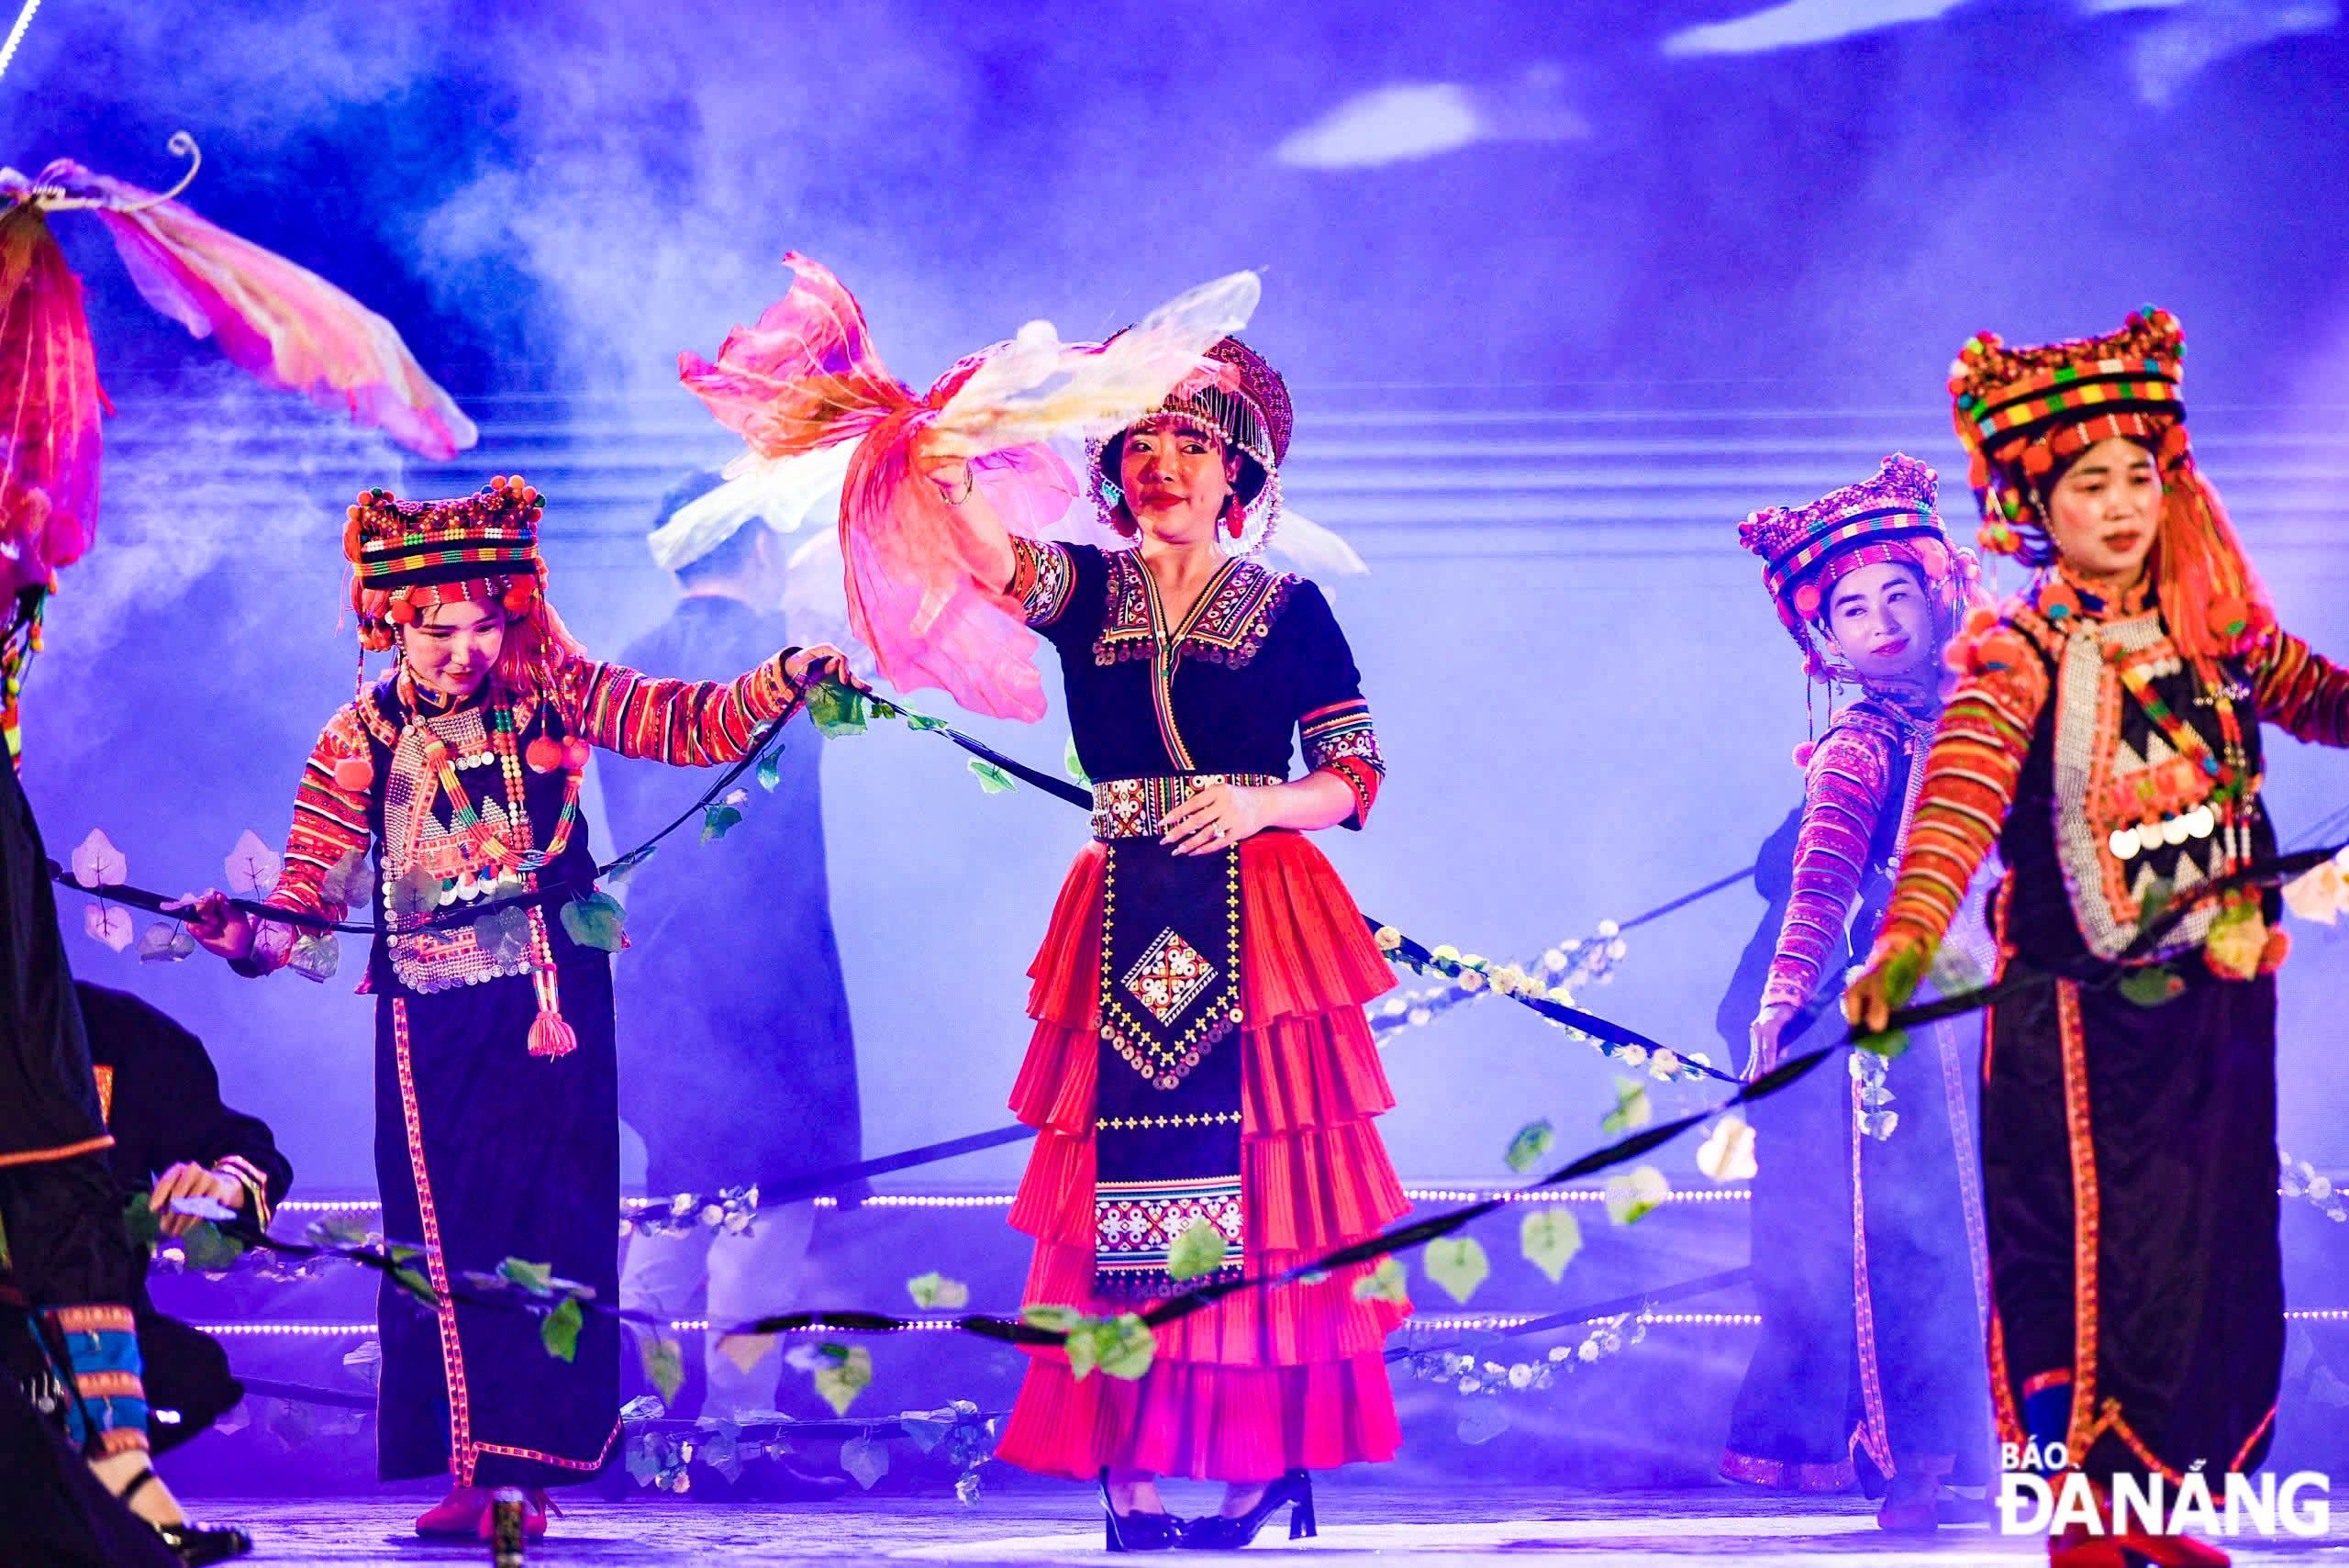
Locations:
(1263, 1381)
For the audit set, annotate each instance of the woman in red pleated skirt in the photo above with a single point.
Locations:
(1201, 1062)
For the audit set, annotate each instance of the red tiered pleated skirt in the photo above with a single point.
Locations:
(1265, 1380)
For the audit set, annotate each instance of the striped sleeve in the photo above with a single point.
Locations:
(2302, 692)
(1844, 790)
(329, 817)
(1968, 787)
(689, 724)
(1339, 739)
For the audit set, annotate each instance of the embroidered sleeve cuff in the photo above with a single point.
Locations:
(248, 1175)
(1042, 574)
(1362, 779)
(1339, 739)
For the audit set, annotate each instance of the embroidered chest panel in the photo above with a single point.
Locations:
(1227, 628)
(429, 862)
(2139, 743)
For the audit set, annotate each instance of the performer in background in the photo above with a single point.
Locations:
(2107, 733)
(1867, 1234)
(71, 1269)
(496, 1129)
(737, 1064)
(173, 1138)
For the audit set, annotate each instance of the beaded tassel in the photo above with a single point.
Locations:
(550, 1036)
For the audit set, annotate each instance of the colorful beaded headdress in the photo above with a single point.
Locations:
(1888, 518)
(2025, 413)
(408, 555)
(1244, 399)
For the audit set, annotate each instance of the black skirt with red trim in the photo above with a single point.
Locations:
(2129, 1175)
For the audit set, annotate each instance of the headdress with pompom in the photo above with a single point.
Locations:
(1891, 518)
(407, 555)
(2025, 413)
(1239, 394)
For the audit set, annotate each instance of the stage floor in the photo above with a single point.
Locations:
(1041, 1527)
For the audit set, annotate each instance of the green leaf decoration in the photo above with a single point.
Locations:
(504, 935)
(315, 956)
(1533, 1140)
(558, 1330)
(1632, 1196)
(745, 1351)
(412, 894)
(922, 721)
(1389, 1282)
(337, 1230)
(1549, 1237)
(1901, 973)
(146, 1226)
(1633, 1108)
(1070, 765)
(347, 883)
(1052, 1319)
(413, 1282)
(1954, 969)
(536, 1278)
(1198, 1251)
(866, 1460)
(934, 1292)
(665, 1363)
(770, 769)
(210, 1251)
(718, 819)
(1458, 1264)
(1124, 1346)
(622, 869)
(1888, 1045)
(2158, 894)
(836, 710)
(927, 1431)
(165, 941)
(2152, 988)
(1482, 1421)
(595, 922)
(843, 1376)
(991, 779)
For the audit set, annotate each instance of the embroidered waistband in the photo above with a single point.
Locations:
(1136, 808)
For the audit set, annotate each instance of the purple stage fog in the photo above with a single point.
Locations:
(1484, 779)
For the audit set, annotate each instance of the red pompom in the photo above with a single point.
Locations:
(544, 754)
(1807, 601)
(575, 753)
(2228, 614)
(355, 774)
(2037, 458)
(1803, 751)
(400, 610)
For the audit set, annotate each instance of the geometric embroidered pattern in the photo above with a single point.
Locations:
(1169, 976)
(1136, 1225)
(1140, 1123)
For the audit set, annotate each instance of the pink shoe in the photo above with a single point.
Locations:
(536, 1506)
(464, 1510)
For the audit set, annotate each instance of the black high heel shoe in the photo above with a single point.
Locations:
(1217, 1532)
(193, 1544)
(1135, 1532)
